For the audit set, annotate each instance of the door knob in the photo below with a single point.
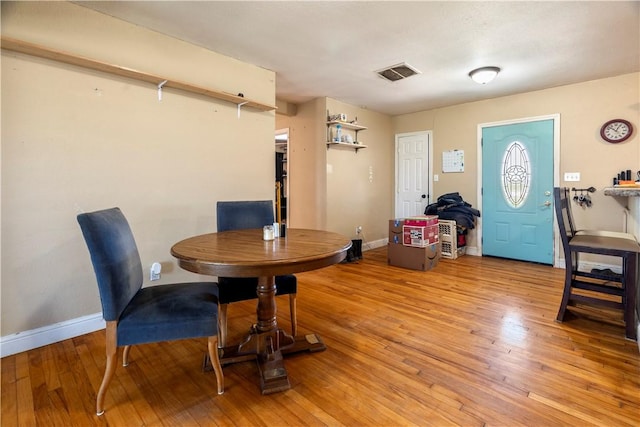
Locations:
(424, 196)
(548, 193)
(547, 203)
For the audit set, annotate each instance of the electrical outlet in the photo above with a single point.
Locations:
(154, 271)
(572, 176)
(359, 229)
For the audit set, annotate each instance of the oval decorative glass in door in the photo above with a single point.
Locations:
(516, 174)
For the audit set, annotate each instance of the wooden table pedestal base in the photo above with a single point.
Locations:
(273, 374)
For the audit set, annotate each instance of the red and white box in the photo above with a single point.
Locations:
(421, 220)
(420, 236)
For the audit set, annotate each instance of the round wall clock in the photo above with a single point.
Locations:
(616, 130)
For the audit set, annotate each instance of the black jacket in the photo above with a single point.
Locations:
(451, 207)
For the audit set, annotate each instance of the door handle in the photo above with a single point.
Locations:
(546, 204)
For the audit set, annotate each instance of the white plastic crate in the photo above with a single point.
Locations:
(449, 240)
(447, 228)
(450, 250)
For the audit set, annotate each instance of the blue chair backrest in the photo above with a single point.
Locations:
(244, 214)
(115, 259)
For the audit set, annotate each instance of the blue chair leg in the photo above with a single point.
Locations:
(294, 317)
(125, 355)
(222, 325)
(110, 369)
(212, 345)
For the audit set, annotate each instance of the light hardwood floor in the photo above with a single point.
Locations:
(472, 342)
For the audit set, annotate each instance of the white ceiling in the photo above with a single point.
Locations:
(333, 48)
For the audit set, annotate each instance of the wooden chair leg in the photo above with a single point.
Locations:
(212, 345)
(566, 294)
(110, 369)
(222, 325)
(294, 315)
(125, 355)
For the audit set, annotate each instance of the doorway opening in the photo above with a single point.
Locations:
(282, 175)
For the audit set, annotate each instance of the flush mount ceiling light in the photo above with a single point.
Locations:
(484, 75)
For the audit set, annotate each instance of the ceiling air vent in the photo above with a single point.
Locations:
(397, 72)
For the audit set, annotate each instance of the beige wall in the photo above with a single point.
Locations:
(306, 170)
(76, 140)
(360, 185)
(334, 189)
(583, 108)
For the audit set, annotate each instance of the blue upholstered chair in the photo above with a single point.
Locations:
(240, 215)
(137, 315)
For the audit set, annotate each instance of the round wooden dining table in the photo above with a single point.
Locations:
(244, 253)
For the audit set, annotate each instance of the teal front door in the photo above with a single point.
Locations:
(517, 191)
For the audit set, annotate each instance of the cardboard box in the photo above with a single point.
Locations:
(413, 258)
(422, 220)
(395, 230)
(420, 236)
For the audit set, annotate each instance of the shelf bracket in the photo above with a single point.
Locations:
(162, 83)
(240, 105)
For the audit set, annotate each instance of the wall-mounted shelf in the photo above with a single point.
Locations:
(345, 144)
(158, 81)
(345, 126)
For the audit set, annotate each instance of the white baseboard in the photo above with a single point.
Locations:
(367, 246)
(472, 250)
(28, 340)
(588, 266)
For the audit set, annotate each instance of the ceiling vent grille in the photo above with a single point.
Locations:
(397, 72)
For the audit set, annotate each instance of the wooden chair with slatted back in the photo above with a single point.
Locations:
(594, 287)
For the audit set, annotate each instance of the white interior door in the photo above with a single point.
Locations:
(413, 173)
